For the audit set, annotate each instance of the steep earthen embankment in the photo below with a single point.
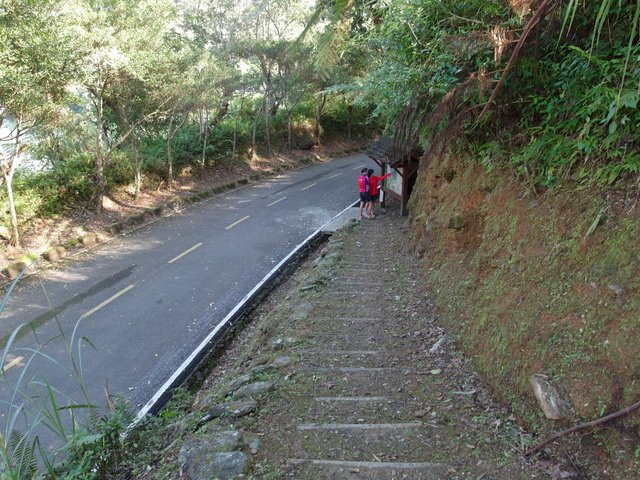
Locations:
(539, 283)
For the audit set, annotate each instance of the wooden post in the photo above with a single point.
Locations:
(405, 190)
(383, 169)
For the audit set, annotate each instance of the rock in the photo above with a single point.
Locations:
(55, 253)
(617, 289)
(222, 440)
(231, 409)
(420, 413)
(89, 239)
(5, 232)
(252, 389)
(420, 250)
(281, 362)
(307, 143)
(457, 222)
(553, 406)
(436, 371)
(436, 346)
(251, 442)
(198, 460)
(22, 263)
(115, 228)
(301, 311)
(241, 381)
(279, 343)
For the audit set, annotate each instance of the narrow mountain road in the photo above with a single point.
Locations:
(144, 301)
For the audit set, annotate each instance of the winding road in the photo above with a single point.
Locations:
(144, 301)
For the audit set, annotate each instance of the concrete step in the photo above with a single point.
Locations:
(323, 469)
(363, 442)
(342, 358)
(354, 409)
(361, 381)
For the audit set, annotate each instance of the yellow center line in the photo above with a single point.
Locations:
(12, 363)
(309, 186)
(185, 253)
(336, 175)
(107, 301)
(279, 200)
(236, 223)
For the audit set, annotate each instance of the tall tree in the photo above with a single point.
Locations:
(37, 61)
(126, 59)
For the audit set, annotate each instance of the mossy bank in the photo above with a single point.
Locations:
(539, 283)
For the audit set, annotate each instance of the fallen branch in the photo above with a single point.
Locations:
(583, 426)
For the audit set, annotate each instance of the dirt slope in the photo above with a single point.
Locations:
(540, 283)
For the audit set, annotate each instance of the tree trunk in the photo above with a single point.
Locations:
(205, 139)
(319, 112)
(235, 126)
(255, 129)
(267, 134)
(138, 167)
(289, 130)
(170, 154)
(100, 183)
(15, 234)
(349, 120)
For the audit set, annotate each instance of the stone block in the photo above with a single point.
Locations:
(55, 253)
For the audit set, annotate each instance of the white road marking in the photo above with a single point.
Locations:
(185, 253)
(336, 175)
(309, 186)
(277, 201)
(107, 301)
(360, 167)
(16, 361)
(236, 223)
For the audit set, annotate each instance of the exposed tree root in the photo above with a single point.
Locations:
(583, 426)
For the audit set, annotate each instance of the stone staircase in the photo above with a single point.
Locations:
(366, 395)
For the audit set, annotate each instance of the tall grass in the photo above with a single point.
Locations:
(89, 443)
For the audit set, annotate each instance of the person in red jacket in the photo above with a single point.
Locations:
(374, 181)
(365, 196)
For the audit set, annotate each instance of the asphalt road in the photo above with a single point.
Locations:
(144, 301)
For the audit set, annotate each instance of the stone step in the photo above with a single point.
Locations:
(379, 340)
(322, 469)
(354, 282)
(356, 382)
(342, 358)
(362, 442)
(384, 408)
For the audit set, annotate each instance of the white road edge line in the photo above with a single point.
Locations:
(185, 253)
(360, 167)
(277, 201)
(309, 186)
(237, 222)
(12, 363)
(336, 175)
(107, 301)
(161, 391)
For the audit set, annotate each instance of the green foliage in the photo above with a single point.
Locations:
(584, 121)
(95, 452)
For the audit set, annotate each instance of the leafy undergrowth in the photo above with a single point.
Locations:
(540, 284)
